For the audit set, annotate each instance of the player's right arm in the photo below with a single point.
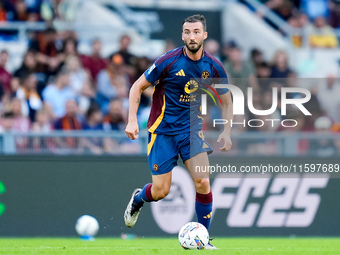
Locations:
(150, 76)
(132, 128)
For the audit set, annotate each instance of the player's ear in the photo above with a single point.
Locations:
(205, 35)
(182, 37)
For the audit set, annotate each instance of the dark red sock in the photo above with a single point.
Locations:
(143, 196)
(203, 208)
(148, 192)
(204, 198)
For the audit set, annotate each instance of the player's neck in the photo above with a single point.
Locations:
(194, 56)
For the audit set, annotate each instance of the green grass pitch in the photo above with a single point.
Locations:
(272, 246)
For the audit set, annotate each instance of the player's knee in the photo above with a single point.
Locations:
(160, 193)
(202, 185)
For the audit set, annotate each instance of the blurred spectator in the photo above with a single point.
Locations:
(69, 121)
(7, 122)
(21, 123)
(263, 71)
(42, 122)
(33, 6)
(280, 67)
(334, 8)
(300, 126)
(266, 103)
(240, 73)
(42, 125)
(271, 4)
(116, 117)
(336, 127)
(7, 11)
(21, 9)
(94, 63)
(47, 52)
(212, 47)
(292, 80)
(260, 101)
(128, 58)
(142, 64)
(322, 35)
(94, 118)
(314, 107)
(57, 94)
(256, 56)
(283, 8)
(125, 42)
(58, 9)
(27, 93)
(28, 66)
(70, 48)
(328, 96)
(322, 147)
(113, 82)
(300, 24)
(5, 76)
(80, 83)
(227, 48)
(49, 9)
(94, 122)
(302, 122)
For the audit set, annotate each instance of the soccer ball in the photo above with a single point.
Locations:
(193, 236)
(87, 227)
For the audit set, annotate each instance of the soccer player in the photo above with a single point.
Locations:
(174, 127)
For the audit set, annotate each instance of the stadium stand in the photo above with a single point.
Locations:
(56, 75)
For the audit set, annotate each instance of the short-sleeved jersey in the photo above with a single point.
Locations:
(172, 110)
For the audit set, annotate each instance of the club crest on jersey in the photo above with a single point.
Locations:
(205, 75)
(155, 167)
(191, 86)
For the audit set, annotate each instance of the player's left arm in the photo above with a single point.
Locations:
(227, 114)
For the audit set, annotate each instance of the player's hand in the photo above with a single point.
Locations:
(132, 130)
(227, 141)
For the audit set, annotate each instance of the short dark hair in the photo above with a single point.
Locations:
(262, 65)
(94, 107)
(196, 18)
(50, 30)
(8, 115)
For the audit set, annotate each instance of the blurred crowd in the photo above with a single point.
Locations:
(263, 75)
(58, 88)
(313, 21)
(36, 10)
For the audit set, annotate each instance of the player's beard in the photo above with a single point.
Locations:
(194, 47)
